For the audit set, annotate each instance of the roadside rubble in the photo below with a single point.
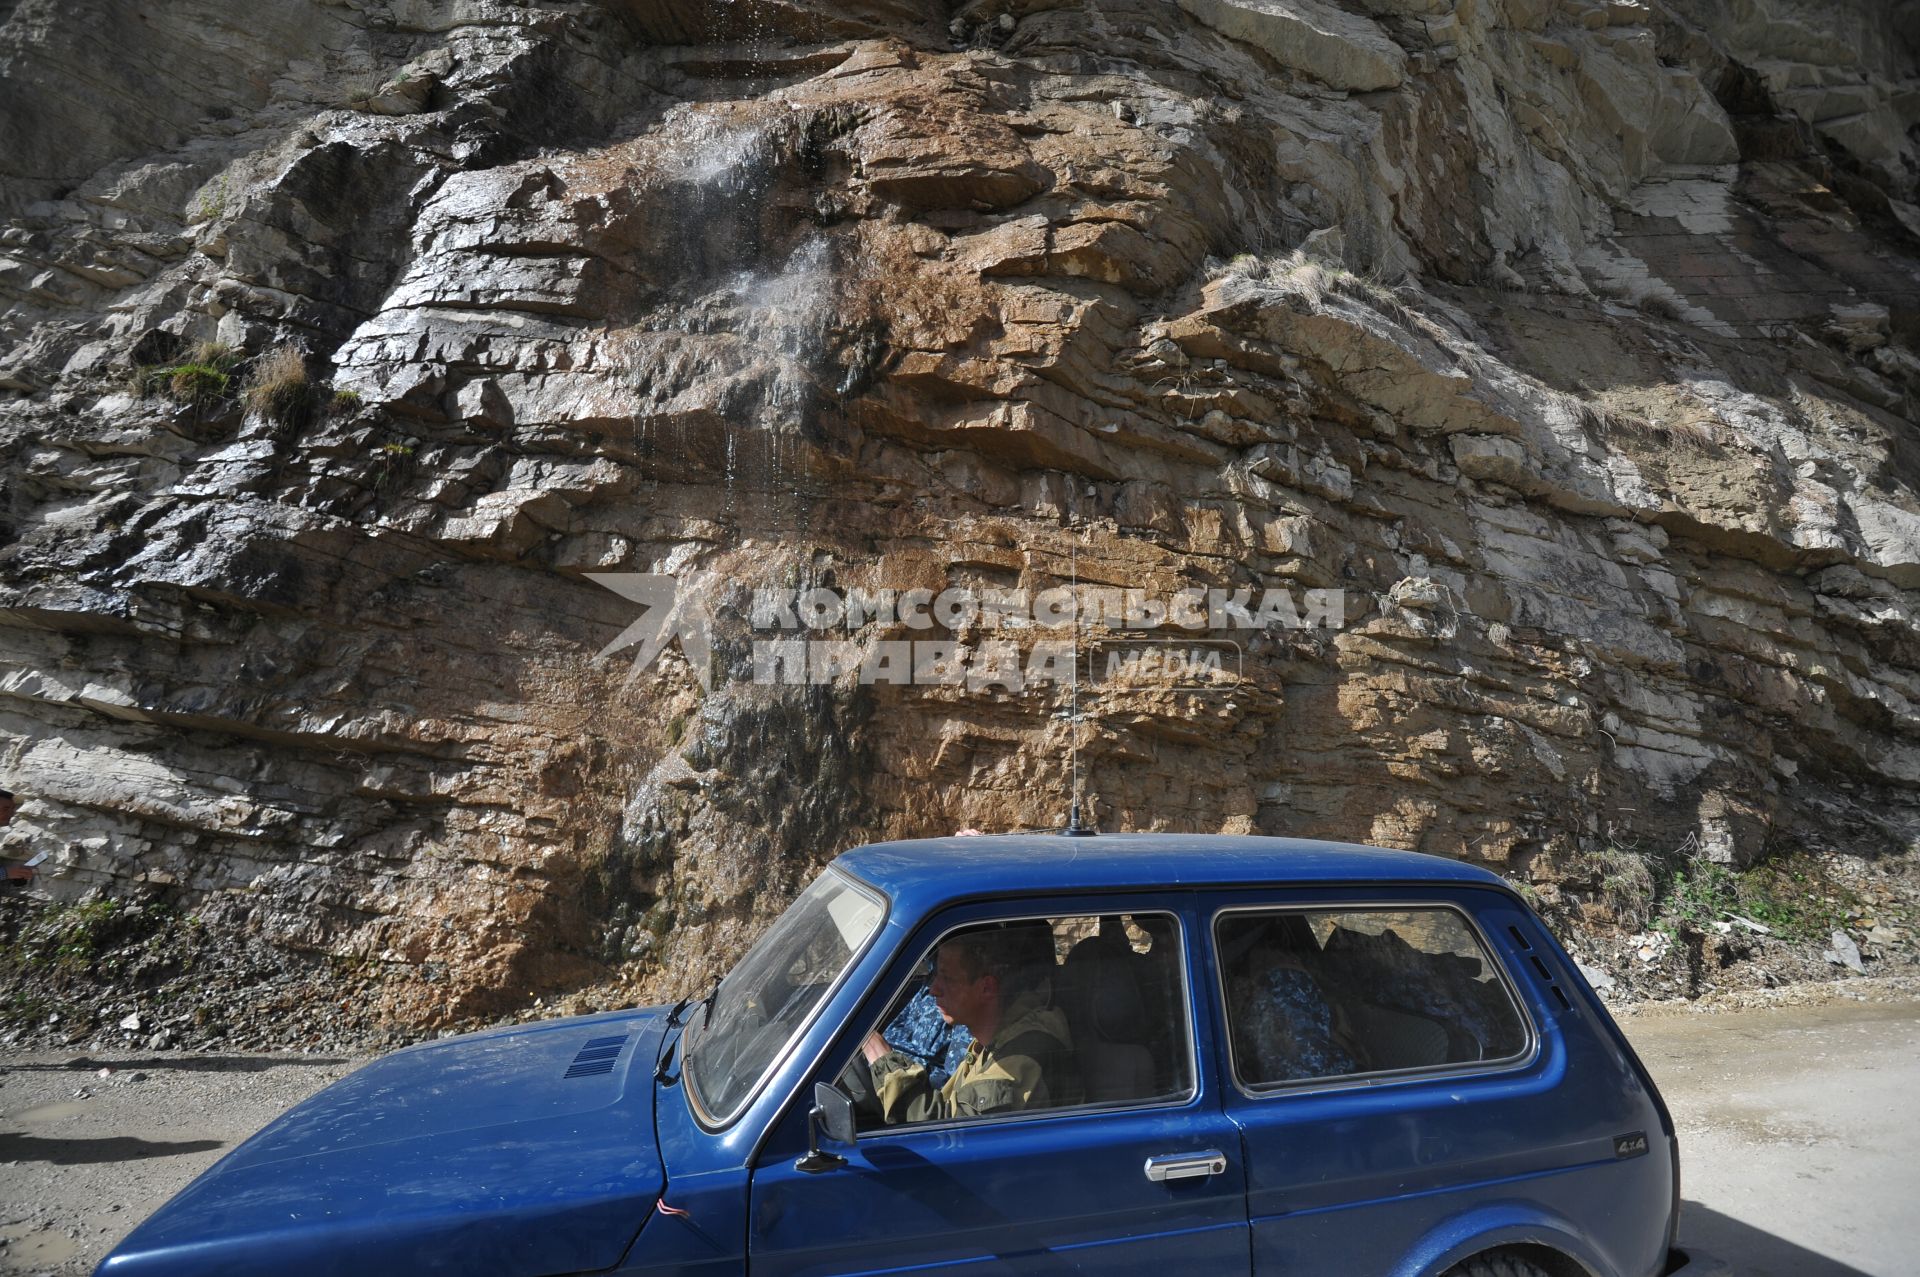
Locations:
(1697, 950)
(177, 988)
(1691, 962)
(1845, 953)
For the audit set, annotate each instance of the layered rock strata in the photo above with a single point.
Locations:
(1573, 343)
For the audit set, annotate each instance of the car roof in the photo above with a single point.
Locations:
(923, 873)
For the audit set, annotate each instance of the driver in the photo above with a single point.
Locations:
(997, 983)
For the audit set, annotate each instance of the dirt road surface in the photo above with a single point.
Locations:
(1795, 1132)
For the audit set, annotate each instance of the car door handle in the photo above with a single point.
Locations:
(1186, 1165)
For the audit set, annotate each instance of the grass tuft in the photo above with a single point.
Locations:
(1624, 884)
(391, 462)
(278, 387)
(196, 383)
(203, 377)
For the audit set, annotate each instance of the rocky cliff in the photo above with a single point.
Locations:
(1571, 341)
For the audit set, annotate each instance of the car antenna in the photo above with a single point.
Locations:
(1074, 828)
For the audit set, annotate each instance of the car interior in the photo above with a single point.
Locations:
(1119, 985)
(1310, 995)
(1380, 1003)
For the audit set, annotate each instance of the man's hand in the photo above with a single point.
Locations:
(874, 1047)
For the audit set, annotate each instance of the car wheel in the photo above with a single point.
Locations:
(1497, 1266)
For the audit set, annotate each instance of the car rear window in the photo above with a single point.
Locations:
(1314, 994)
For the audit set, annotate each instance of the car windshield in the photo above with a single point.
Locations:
(765, 1001)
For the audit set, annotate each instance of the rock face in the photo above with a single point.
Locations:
(1574, 342)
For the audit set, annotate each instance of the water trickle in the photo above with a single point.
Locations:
(758, 300)
(703, 150)
(796, 306)
(732, 468)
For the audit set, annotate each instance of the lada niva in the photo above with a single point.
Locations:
(1035, 1054)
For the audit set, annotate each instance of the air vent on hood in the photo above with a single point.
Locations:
(597, 1056)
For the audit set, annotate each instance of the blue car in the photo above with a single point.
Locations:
(1038, 1053)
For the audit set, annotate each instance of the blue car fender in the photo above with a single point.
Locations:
(1495, 1224)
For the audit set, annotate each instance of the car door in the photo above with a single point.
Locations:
(1080, 1187)
(1395, 1072)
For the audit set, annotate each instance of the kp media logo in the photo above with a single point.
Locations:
(670, 613)
(1015, 639)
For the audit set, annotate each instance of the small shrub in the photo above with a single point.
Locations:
(344, 401)
(69, 940)
(1625, 885)
(1791, 894)
(1702, 893)
(278, 388)
(1796, 896)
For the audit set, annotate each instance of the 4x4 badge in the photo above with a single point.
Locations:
(1631, 1145)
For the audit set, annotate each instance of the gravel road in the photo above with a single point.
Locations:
(1795, 1136)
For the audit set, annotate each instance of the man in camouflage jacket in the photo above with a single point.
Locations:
(1021, 1057)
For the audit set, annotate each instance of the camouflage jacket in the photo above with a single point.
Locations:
(1027, 1065)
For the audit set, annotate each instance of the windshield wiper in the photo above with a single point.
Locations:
(660, 1074)
(679, 1009)
(706, 1021)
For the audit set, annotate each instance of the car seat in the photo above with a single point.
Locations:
(1158, 973)
(1109, 1020)
(1396, 1039)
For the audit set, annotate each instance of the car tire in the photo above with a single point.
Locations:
(1497, 1266)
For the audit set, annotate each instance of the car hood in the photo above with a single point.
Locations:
(522, 1152)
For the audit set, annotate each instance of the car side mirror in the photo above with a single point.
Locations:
(832, 1112)
(835, 1107)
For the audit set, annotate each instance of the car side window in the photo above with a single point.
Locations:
(1032, 1014)
(1319, 994)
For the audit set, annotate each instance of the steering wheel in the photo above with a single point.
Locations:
(857, 1081)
